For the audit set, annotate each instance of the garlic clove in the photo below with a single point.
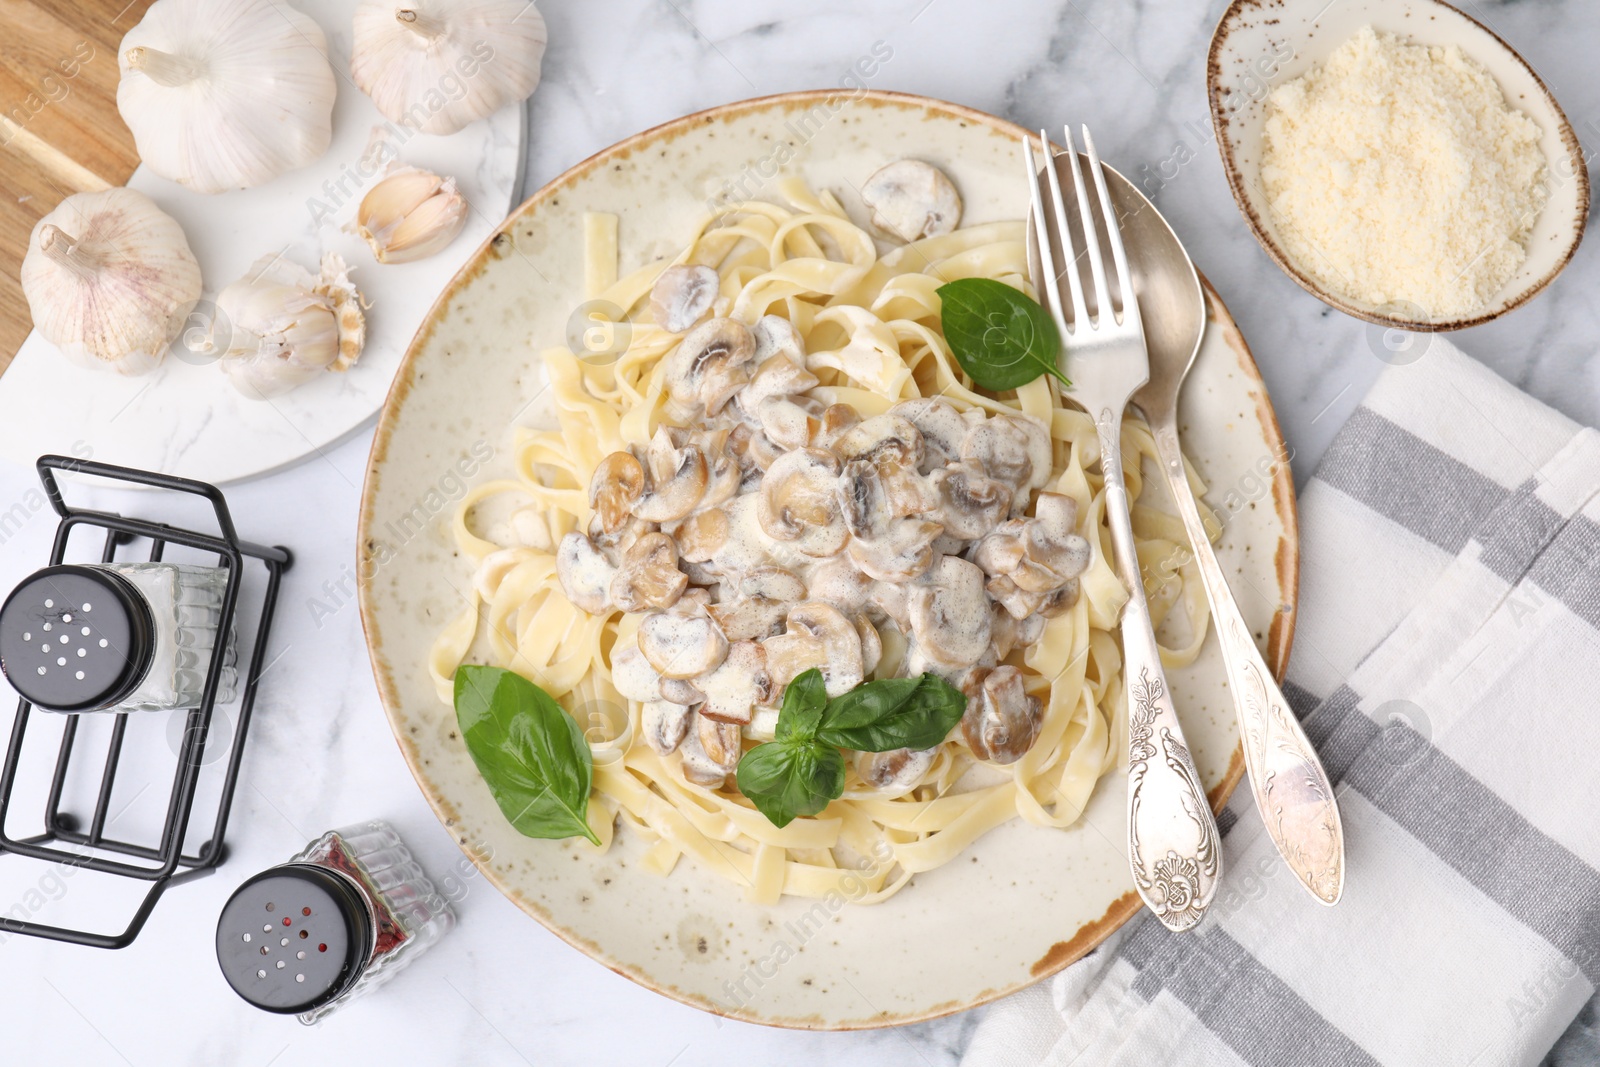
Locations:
(438, 65)
(286, 326)
(226, 94)
(110, 280)
(410, 215)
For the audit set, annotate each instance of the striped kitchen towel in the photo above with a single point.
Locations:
(1447, 665)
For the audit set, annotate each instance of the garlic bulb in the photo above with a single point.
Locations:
(411, 214)
(288, 326)
(110, 279)
(226, 94)
(437, 65)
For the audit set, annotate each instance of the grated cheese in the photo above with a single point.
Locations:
(1397, 174)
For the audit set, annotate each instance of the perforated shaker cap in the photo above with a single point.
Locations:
(293, 938)
(75, 638)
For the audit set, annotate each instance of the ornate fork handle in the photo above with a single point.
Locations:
(1173, 843)
(1291, 789)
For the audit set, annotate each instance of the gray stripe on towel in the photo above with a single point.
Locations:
(1402, 477)
(1237, 998)
(1569, 569)
(1491, 845)
(1518, 533)
(1340, 732)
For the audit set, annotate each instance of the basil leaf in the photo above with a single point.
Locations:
(792, 777)
(530, 752)
(804, 699)
(1001, 337)
(893, 713)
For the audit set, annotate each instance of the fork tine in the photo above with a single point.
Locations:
(1130, 302)
(1041, 232)
(1080, 312)
(1097, 267)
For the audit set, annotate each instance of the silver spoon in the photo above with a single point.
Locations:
(1290, 787)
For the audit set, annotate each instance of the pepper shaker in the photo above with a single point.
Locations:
(117, 637)
(342, 916)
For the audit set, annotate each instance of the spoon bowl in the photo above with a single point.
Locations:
(1170, 298)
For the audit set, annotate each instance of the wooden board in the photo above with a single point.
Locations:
(59, 126)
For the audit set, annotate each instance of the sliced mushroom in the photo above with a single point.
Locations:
(912, 200)
(708, 367)
(1033, 564)
(894, 773)
(681, 691)
(871, 644)
(710, 751)
(755, 452)
(681, 295)
(664, 725)
(633, 676)
(777, 376)
(817, 635)
(839, 583)
(789, 423)
(949, 614)
(774, 583)
(736, 685)
(617, 484)
(942, 428)
(883, 440)
(836, 419)
(797, 502)
(1014, 449)
(679, 644)
(723, 473)
(676, 479)
(776, 335)
(971, 503)
(584, 573)
(885, 546)
(1001, 721)
(750, 618)
(649, 578)
(702, 535)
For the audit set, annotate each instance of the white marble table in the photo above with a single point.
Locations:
(501, 990)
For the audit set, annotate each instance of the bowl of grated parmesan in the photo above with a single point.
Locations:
(1396, 158)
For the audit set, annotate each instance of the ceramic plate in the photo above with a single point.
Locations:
(1261, 44)
(1023, 902)
(185, 418)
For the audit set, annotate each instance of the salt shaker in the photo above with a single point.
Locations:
(117, 636)
(341, 917)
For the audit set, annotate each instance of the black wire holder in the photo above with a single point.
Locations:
(96, 850)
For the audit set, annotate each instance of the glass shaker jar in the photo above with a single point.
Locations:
(341, 917)
(116, 637)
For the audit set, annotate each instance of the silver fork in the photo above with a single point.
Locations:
(1173, 844)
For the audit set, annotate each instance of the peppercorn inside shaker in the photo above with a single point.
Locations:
(116, 637)
(341, 917)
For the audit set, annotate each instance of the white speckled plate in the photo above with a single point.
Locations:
(1023, 902)
(1261, 44)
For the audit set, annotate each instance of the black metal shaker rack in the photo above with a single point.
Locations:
(92, 848)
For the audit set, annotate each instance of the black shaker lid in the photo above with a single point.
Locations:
(294, 937)
(75, 638)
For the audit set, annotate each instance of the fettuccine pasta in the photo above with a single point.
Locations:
(870, 328)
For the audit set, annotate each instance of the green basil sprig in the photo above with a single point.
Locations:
(800, 771)
(529, 751)
(1001, 337)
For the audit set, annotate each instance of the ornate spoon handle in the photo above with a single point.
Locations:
(1173, 844)
(1291, 789)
